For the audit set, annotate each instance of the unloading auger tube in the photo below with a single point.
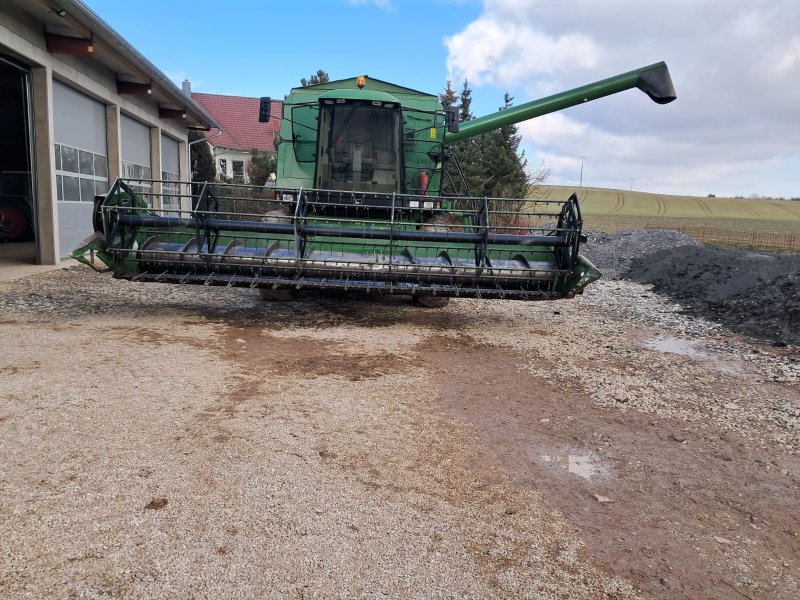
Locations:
(368, 228)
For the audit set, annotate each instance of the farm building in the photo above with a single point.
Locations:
(238, 116)
(79, 106)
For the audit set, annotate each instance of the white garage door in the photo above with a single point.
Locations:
(79, 132)
(136, 155)
(170, 172)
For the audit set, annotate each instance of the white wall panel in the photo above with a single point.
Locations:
(78, 121)
(170, 155)
(135, 141)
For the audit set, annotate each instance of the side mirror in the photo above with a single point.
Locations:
(264, 109)
(451, 119)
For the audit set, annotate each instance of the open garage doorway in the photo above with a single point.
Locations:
(17, 206)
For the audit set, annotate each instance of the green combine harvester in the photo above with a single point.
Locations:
(358, 205)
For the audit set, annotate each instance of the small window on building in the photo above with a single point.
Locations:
(138, 178)
(238, 171)
(170, 200)
(79, 174)
(223, 167)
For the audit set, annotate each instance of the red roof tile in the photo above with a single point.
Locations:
(239, 118)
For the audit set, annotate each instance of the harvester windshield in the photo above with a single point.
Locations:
(359, 147)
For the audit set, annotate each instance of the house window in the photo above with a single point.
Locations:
(80, 174)
(238, 171)
(223, 167)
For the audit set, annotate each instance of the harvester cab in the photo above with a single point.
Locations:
(358, 205)
(360, 135)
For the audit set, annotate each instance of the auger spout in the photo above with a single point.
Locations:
(654, 80)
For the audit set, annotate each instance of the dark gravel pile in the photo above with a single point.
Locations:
(757, 294)
(613, 253)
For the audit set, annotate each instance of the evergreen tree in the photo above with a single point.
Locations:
(319, 77)
(261, 165)
(492, 163)
(203, 167)
(505, 161)
(448, 98)
(466, 151)
(466, 102)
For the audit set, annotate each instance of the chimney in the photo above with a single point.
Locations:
(187, 87)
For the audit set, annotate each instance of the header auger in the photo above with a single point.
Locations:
(358, 205)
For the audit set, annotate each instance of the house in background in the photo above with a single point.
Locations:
(241, 131)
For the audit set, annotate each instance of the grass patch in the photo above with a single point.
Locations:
(757, 224)
(599, 201)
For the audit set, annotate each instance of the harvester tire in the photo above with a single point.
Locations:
(430, 301)
(440, 224)
(279, 215)
(277, 294)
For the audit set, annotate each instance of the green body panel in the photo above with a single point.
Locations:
(358, 94)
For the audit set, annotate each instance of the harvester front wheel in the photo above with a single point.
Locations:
(277, 294)
(443, 223)
(278, 215)
(429, 301)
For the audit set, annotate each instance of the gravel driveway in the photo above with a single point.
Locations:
(165, 441)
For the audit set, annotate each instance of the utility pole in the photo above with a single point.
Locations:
(581, 183)
(632, 180)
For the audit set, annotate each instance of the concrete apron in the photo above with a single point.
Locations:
(16, 265)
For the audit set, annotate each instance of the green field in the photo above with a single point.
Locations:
(748, 223)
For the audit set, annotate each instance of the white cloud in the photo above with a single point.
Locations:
(788, 58)
(509, 52)
(736, 68)
(749, 24)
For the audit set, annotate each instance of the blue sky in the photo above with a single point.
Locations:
(734, 130)
(263, 48)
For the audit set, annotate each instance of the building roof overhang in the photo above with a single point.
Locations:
(138, 76)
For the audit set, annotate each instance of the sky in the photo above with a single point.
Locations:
(734, 129)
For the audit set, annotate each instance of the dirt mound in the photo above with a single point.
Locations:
(613, 253)
(754, 293)
(772, 312)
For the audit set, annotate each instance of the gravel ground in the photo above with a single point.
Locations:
(166, 441)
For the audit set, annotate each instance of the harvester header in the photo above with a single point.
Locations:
(357, 204)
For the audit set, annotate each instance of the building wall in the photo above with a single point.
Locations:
(22, 38)
(226, 157)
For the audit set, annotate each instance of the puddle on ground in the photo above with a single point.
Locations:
(582, 465)
(689, 348)
(675, 345)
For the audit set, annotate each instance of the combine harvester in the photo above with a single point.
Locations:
(358, 205)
